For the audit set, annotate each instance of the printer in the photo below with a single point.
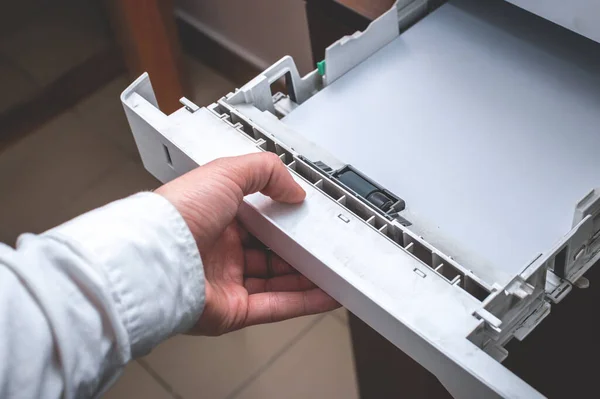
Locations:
(451, 158)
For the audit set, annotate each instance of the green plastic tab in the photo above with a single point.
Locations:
(321, 67)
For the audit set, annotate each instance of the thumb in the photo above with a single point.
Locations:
(209, 197)
(265, 173)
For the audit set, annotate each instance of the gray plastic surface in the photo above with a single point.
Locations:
(484, 118)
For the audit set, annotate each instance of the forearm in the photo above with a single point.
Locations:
(79, 301)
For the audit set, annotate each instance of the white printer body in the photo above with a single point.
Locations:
(451, 159)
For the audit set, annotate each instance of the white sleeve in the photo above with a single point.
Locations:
(81, 300)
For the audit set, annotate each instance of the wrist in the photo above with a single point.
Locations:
(184, 211)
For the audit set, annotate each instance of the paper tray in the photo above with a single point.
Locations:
(484, 118)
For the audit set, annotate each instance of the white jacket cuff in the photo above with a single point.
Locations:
(151, 262)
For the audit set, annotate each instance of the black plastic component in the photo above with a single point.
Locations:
(369, 190)
(560, 263)
(380, 200)
(318, 165)
(323, 166)
(365, 189)
(357, 183)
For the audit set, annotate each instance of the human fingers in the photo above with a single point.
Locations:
(209, 197)
(288, 283)
(263, 172)
(271, 307)
(263, 263)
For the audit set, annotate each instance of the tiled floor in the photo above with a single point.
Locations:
(56, 36)
(40, 40)
(85, 158)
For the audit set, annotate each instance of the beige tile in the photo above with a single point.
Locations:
(28, 216)
(320, 365)
(67, 33)
(15, 14)
(44, 172)
(207, 85)
(16, 86)
(214, 367)
(136, 383)
(103, 113)
(120, 182)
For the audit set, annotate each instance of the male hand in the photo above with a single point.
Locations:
(245, 284)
